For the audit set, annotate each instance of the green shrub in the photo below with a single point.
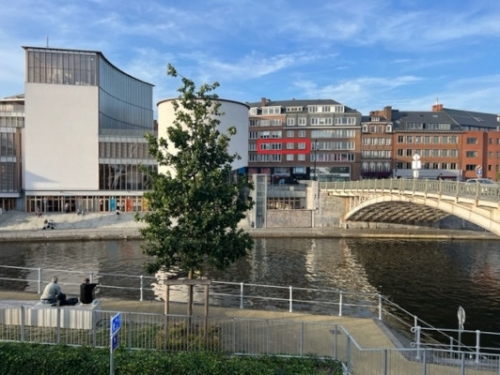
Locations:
(37, 359)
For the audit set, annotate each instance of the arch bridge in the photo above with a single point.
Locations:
(414, 201)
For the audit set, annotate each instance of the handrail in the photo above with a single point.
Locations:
(326, 301)
(423, 187)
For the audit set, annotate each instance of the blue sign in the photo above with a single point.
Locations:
(114, 342)
(116, 323)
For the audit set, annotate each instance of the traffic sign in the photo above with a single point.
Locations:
(114, 342)
(116, 323)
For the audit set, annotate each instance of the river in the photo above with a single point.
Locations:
(430, 279)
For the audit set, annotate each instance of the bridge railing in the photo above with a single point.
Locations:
(449, 189)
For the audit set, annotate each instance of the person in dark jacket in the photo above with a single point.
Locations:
(87, 292)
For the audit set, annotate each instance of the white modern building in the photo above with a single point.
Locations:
(234, 114)
(84, 136)
(11, 127)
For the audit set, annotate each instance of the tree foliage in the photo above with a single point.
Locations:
(195, 207)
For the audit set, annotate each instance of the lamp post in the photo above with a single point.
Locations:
(315, 157)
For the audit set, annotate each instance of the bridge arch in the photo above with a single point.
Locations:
(407, 209)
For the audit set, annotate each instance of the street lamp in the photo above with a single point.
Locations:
(315, 157)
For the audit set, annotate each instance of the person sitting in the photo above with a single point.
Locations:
(52, 295)
(51, 292)
(87, 294)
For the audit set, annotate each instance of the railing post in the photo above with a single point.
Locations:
(267, 337)
(424, 363)
(241, 295)
(291, 299)
(39, 280)
(478, 344)
(417, 335)
(91, 276)
(23, 315)
(58, 325)
(340, 304)
(462, 365)
(302, 339)
(234, 335)
(142, 288)
(379, 307)
(385, 361)
(348, 354)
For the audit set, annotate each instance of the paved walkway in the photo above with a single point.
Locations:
(367, 332)
(20, 226)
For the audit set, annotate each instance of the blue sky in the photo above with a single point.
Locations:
(366, 54)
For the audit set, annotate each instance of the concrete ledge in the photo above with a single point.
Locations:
(42, 315)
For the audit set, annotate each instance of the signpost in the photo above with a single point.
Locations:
(461, 321)
(114, 326)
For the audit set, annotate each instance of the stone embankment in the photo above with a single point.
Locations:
(18, 226)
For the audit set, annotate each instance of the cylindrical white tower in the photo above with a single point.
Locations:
(234, 114)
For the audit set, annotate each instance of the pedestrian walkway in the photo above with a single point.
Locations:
(367, 332)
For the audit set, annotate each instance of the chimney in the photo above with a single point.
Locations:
(263, 102)
(437, 107)
(388, 112)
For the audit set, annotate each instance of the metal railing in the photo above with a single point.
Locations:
(423, 187)
(243, 296)
(239, 336)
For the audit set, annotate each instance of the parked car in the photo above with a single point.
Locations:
(486, 184)
(481, 181)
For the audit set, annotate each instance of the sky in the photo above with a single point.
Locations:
(365, 54)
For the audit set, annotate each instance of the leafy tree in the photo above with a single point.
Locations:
(196, 205)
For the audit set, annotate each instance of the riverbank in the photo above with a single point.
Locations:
(20, 226)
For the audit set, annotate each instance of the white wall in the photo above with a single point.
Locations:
(235, 114)
(60, 140)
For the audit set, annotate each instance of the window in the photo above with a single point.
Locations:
(301, 145)
(301, 157)
(435, 165)
(453, 139)
(418, 139)
(408, 152)
(444, 153)
(453, 165)
(290, 133)
(400, 139)
(444, 140)
(435, 139)
(253, 111)
(444, 166)
(471, 154)
(302, 133)
(409, 139)
(435, 153)
(400, 152)
(321, 121)
(289, 157)
(290, 121)
(472, 141)
(302, 121)
(271, 110)
(289, 145)
(427, 152)
(453, 153)
(470, 167)
(345, 121)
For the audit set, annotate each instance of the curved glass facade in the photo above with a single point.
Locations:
(125, 103)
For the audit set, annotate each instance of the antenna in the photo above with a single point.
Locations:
(437, 101)
(47, 42)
